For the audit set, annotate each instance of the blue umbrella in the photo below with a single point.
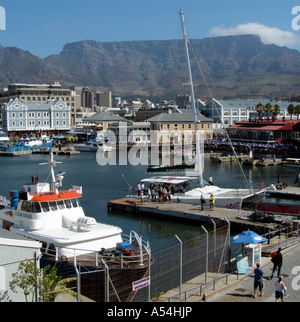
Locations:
(248, 237)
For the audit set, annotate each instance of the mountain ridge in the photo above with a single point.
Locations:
(233, 66)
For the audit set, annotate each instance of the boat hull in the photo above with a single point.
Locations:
(93, 279)
(171, 168)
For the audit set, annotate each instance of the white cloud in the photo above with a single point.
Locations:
(267, 34)
(53, 25)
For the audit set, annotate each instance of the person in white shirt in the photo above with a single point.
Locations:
(280, 288)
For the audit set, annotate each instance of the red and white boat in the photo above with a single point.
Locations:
(71, 240)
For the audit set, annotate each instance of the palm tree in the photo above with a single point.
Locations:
(297, 111)
(276, 110)
(291, 109)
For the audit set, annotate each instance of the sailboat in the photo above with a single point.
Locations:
(189, 189)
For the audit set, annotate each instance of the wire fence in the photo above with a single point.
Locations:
(188, 255)
(203, 252)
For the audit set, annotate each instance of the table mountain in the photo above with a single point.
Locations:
(232, 65)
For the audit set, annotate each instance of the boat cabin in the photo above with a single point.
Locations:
(179, 184)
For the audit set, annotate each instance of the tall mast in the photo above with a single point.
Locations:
(198, 154)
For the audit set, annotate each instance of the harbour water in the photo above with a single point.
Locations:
(104, 183)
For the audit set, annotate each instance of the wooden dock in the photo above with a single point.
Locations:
(188, 212)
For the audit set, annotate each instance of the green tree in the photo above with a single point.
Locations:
(297, 111)
(291, 109)
(276, 109)
(32, 279)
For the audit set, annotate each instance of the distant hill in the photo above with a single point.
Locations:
(232, 65)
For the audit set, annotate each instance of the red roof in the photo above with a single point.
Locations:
(266, 125)
(51, 196)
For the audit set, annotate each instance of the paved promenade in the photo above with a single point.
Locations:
(242, 291)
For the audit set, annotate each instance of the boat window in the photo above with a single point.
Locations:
(45, 206)
(61, 204)
(23, 206)
(68, 203)
(36, 207)
(28, 206)
(78, 203)
(74, 203)
(53, 205)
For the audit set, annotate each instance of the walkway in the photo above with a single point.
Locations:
(231, 288)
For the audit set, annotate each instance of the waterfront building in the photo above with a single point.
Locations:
(266, 131)
(177, 128)
(42, 93)
(20, 118)
(104, 120)
(229, 112)
(123, 130)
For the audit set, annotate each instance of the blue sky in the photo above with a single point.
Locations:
(44, 27)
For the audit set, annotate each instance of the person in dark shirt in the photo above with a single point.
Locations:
(258, 280)
(277, 262)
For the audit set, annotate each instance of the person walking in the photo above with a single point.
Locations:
(212, 201)
(258, 280)
(280, 288)
(211, 180)
(139, 189)
(277, 262)
(202, 200)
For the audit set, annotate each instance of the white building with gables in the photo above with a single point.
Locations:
(25, 117)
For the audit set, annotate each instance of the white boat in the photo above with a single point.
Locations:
(187, 190)
(31, 141)
(4, 139)
(291, 162)
(69, 238)
(92, 146)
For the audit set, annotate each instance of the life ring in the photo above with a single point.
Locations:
(261, 186)
(10, 213)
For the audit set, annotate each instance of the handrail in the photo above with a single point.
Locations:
(135, 256)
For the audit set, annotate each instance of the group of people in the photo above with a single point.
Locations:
(163, 193)
(212, 201)
(280, 287)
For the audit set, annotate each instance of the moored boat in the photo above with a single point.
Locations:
(188, 190)
(92, 146)
(291, 162)
(73, 241)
